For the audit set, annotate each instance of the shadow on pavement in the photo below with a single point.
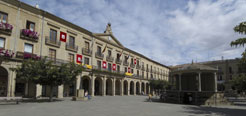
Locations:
(215, 110)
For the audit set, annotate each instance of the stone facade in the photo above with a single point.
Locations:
(37, 33)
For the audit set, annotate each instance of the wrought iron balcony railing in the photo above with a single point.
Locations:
(125, 63)
(99, 55)
(138, 66)
(55, 43)
(110, 58)
(132, 65)
(71, 47)
(118, 61)
(86, 51)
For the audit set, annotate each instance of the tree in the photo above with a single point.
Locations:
(239, 83)
(159, 84)
(44, 72)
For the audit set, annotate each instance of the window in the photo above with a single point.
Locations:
(131, 60)
(138, 62)
(132, 71)
(137, 72)
(28, 48)
(3, 17)
(87, 61)
(125, 69)
(126, 58)
(118, 68)
(87, 45)
(109, 53)
(230, 70)
(99, 63)
(52, 54)
(71, 41)
(118, 56)
(53, 35)
(2, 42)
(143, 74)
(147, 74)
(109, 67)
(30, 25)
(99, 49)
(71, 57)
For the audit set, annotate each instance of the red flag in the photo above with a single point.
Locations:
(135, 61)
(104, 65)
(79, 58)
(114, 66)
(63, 36)
(129, 70)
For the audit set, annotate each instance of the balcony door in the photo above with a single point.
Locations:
(53, 35)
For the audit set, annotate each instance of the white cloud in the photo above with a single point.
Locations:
(170, 32)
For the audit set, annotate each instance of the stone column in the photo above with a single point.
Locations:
(140, 88)
(215, 82)
(38, 90)
(13, 84)
(26, 89)
(78, 82)
(180, 88)
(92, 86)
(122, 87)
(113, 87)
(145, 88)
(104, 86)
(134, 88)
(60, 91)
(199, 82)
(128, 88)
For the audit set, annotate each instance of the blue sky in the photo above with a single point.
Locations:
(168, 31)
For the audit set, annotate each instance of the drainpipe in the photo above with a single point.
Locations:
(17, 32)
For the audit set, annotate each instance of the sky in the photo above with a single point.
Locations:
(168, 31)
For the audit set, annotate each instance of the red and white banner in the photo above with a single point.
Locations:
(79, 58)
(114, 66)
(63, 36)
(104, 64)
(129, 70)
(135, 61)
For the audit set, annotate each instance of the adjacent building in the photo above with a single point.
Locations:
(27, 32)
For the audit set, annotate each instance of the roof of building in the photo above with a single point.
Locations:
(192, 67)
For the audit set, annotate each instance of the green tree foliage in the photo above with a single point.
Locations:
(239, 82)
(159, 84)
(44, 72)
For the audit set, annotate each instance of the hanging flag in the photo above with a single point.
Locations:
(63, 36)
(129, 70)
(104, 48)
(128, 56)
(104, 65)
(114, 67)
(121, 53)
(135, 61)
(79, 59)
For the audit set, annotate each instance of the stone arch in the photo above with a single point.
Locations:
(147, 88)
(143, 86)
(3, 82)
(109, 86)
(138, 88)
(85, 84)
(117, 86)
(98, 86)
(132, 87)
(125, 87)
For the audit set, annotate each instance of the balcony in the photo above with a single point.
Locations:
(53, 43)
(6, 53)
(147, 69)
(138, 66)
(143, 69)
(99, 55)
(110, 58)
(118, 61)
(125, 63)
(102, 71)
(5, 28)
(71, 47)
(27, 34)
(132, 65)
(86, 51)
(56, 61)
(25, 55)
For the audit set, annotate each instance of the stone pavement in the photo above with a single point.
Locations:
(116, 106)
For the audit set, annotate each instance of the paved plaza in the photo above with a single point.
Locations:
(115, 106)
